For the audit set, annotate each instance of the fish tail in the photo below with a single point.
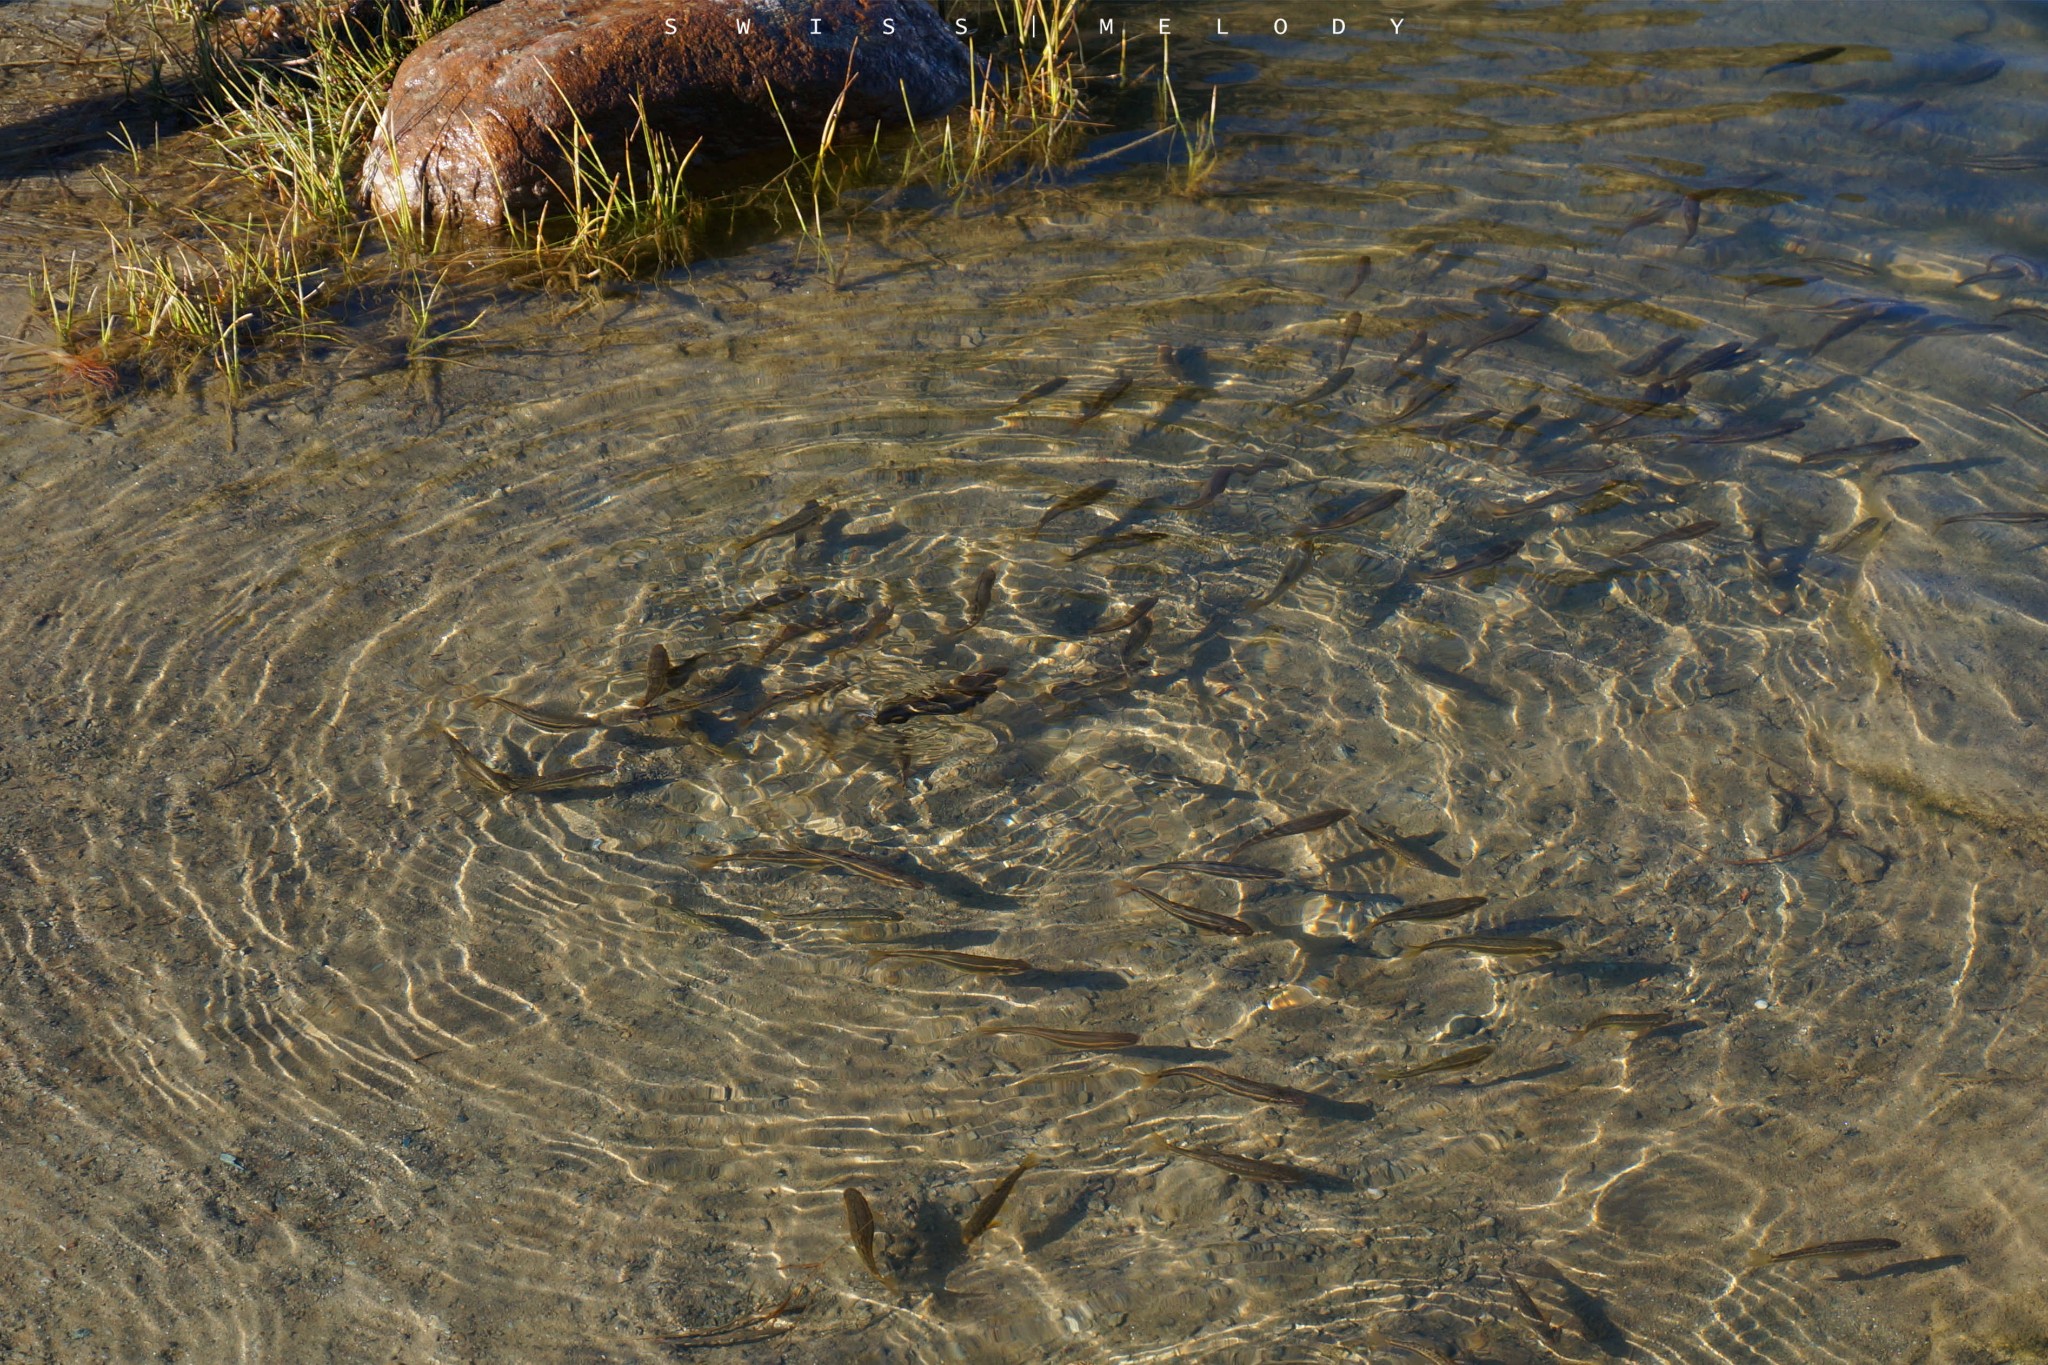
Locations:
(1158, 1144)
(1756, 1259)
(704, 862)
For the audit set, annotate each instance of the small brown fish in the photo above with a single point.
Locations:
(1191, 915)
(1299, 563)
(1130, 652)
(1998, 518)
(1300, 824)
(508, 784)
(1038, 391)
(1692, 530)
(1867, 449)
(860, 1226)
(1855, 533)
(1075, 1039)
(795, 524)
(1345, 517)
(1238, 1085)
(1651, 216)
(656, 675)
(1819, 54)
(992, 1203)
(1122, 540)
(816, 859)
(1142, 611)
(1337, 380)
(1638, 1023)
(1516, 421)
(1176, 368)
(983, 593)
(1417, 344)
(880, 621)
(961, 695)
(1450, 427)
(1530, 1309)
(959, 962)
(843, 914)
(1237, 872)
(474, 768)
(1497, 553)
(1428, 911)
(1463, 1060)
(555, 722)
(1569, 493)
(775, 701)
(1744, 435)
(1862, 1246)
(781, 597)
(1524, 322)
(1516, 285)
(1448, 680)
(1725, 356)
(1433, 392)
(1488, 945)
(1219, 481)
(1250, 1168)
(1101, 402)
(1074, 502)
(1363, 273)
(1352, 322)
(790, 632)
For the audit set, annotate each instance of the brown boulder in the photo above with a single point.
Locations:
(479, 114)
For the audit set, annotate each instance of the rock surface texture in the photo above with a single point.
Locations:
(478, 116)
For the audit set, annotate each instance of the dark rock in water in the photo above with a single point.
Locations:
(479, 116)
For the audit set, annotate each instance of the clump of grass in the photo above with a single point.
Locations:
(215, 298)
(1196, 140)
(619, 213)
(1027, 111)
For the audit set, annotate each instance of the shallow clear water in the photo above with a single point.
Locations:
(312, 1051)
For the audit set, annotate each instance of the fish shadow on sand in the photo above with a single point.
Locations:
(1590, 1310)
(1942, 466)
(965, 891)
(1610, 971)
(1172, 1055)
(1070, 1216)
(732, 926)
(1532, 1073)
(1071, 978)
(829, 539)
(1924, 1265)
(1341, 1111)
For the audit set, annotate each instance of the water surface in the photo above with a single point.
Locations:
(311, 1050)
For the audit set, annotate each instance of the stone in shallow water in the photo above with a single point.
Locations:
(1851, 861)
(478, 116)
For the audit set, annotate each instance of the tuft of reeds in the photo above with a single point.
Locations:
(1195, 140)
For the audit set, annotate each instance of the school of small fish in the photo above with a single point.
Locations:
(1566, 461)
